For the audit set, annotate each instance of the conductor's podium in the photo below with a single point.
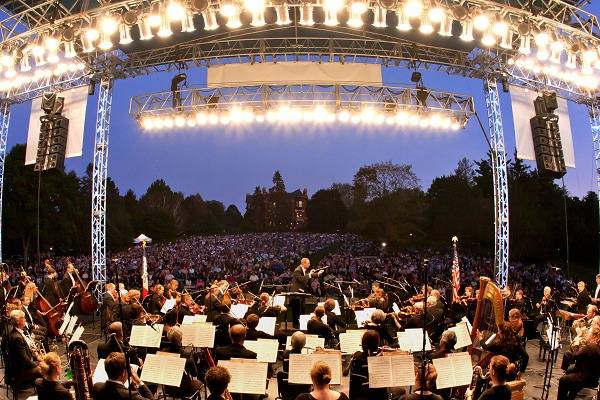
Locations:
(516, 388)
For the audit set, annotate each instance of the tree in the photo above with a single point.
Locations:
(278, 183)
(381, 179)
(346, 192)
(233, 219)
(327, 212)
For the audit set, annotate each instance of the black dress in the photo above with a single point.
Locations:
(500, 392)
(308, 396)
(51, 390)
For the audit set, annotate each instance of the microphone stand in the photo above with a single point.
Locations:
(127, 364)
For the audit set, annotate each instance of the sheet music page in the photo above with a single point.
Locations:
(300, 365)
(267, 325)
(99, 373)
(70, 308)
(265, 349)
(167, 354)
(395, 308)
(146, 336)
(77, 334)
(391, 371)
(556, 337)
(64, 324)
(169, 303)
(453, 371)
(239, 310)
(193, 319)
(247, 376)
(350, 341)
(363, 316)
(163, 370)
(71, 325)
(412, 340)
(336, 309)
(469, 326)
(198, 335)
(306, 317)
(279, 300)
(463, 339)
(312, 342)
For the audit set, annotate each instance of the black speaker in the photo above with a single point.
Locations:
(547, 144)
(52, 143)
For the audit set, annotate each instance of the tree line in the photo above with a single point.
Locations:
(384, 202)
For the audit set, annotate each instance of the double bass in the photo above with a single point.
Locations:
(86, 301)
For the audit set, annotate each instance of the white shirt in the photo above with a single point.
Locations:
(597, 292)
(27, 338)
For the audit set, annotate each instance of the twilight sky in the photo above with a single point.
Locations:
(226, 163)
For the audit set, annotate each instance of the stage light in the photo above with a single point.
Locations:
(500, 26)
(145, 28)
(425, 28)
(403, 22)
(187, 23)
(51, 43)
(379, 20)
(556, 49)
(68, 40)
(436, 14)
(210, 19)
(25, 66)
(105, 42)
(283, 14)
(357, 9)
(481, 21)
(331, 8)
(467, 31)
(542, 38)
(446, 26)
(158, 123)
(306, 14)
(230, 11)
(154, 18)
(343, 116)
(148, 123)
(165, 27)
(488, 39)
(525, 45)
(125, 34)
(455, 125)
(542, 53)
(168, 121)
(201, 118)
(108, 24)
(257, 9)
(87, 39)
(175, 11)
(506, 40)
(179, 121)
(92, 34)
(413, 8)
(38, 54)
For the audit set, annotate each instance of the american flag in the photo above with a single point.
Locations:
(455, 273)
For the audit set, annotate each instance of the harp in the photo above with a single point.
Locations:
(489, 313)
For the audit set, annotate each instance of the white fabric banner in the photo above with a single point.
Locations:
(523, 110)
(74, 110)
(294, 72)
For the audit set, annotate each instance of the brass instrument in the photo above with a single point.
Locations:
(37, 348)
(82, 371)
(474, 389)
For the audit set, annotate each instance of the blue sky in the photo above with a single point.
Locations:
(224, 164)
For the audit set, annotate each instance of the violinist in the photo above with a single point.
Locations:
(184, 307)
(212, 302)
(546, 304)
(266, 309)
(252, 333)
(520, 302)
(223, 321)
(156, 300)
(316, 326)
(170, 291)
(358, 369)
(108, 307)
(334, 321)
(131, 310)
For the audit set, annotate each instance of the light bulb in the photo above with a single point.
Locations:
(506, 40)
(437, 14)
(145, 28)
(403, 22)
(425, 28)
(51, 42)
(379, 20)
(525, 45)
(330, 17)
(542, 53)
(108, 24)
(446, 26)
(210, 19)
(258, 18)
(175, 11)
(571, 60)
(467, 31)
(481, 21)
(233, 22)
(542, 38)
(187, 23)
(92, 34)
(125, 34)
(69, 49)
(306, 14)
(488, 39)
(556, 49)
(165, 27)
(154, 18)
(25, 66)
(413, 8)
(283, 14)
(500, 27)
(105, 42)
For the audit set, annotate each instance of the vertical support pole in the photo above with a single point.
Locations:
(99, 175)
(4, 119)
(492, 101)
(594, 112)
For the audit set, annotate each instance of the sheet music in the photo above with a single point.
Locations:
(71, 326)
(395, 308)
(336, 309)
(265, 349)
(279, 300)
(64, 324)
(556, 338)
(167, 354)
(301, 364)
(363, 316)
(163, 370)
(453, 371)
(239, 310)
(350, 341)
(469, 326)
(198, 335)
(312, 342)
(101, 376)
(169, 303)
(391, 371)
(146, 336)
(77, 334)
(70, 308)
(412, 340)
(463, 339)
(247, 376)
(267, 325)
(306, 317)
(194, 319)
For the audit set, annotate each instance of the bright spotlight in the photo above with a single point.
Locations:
(488, 39)
(283, 14)
(306, 14)
(92, 34)
(467, 31)
(426, 27)
(148, 123)
(481, 21)
(556, 48)
(525, 45)
(108, 24)
(175, 11)
(343, 116)
(413, 8)
(165, 27)
(542, 38)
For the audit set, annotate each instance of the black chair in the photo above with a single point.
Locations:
(289, 391)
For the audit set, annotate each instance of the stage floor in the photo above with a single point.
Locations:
(534, 374)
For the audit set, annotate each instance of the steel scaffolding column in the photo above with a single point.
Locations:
(594, 110)
(492, 101)
(4, 119)
(99, 185)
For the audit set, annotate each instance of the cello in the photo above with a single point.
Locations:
(52, 314)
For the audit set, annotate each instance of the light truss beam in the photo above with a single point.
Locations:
(594, 113)
(501, 246)
(4, 120)
(99, 176)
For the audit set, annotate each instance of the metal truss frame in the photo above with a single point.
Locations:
(265, 96)
(594, 113)
(4, 121)
(500, 178)
(99, 176)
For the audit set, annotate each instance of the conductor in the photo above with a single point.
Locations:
(300, 279)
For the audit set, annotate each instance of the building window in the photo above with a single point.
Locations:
(299, 203)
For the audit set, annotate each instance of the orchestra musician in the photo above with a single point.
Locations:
(358, 369)
(546, 304)
(170, 291)
(223, 322)
(236, 349)
(189, 385)
(108, 306)
(425, 392)
(596, 298)
(501, 371)
(50, 290)
(316, 326)
(378, 324)
(520, 303)
(49, 387)
(68, 282)
(252, 333)
(35, 323)
(156, 300)
(212, 302)
(184, 307)
(266, 309)
(320, 375)
(335, 322)
(23, 361)
(114, 388)
(446, 345)
(300, 278)
(582, 300)
(116, 343)
(217, 379)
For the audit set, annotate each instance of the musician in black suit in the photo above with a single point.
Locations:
(316, 326)
(189, 384)
(50, 290)
(156, 300)
(583, 299)
(334, 321)
(69, 279)
(217, 379)
(358, 369)
(23, 363)
(183, 308)
(108, 308)
(251, 332)
(212, 302)
(585, 372)
(300, 278)
(115, 343)
(114, 388)
(236, 349)
(49, 387)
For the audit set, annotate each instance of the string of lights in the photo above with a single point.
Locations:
(303, 103)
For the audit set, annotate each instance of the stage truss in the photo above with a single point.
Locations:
(20, 22)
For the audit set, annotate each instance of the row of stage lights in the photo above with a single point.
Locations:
(427, 16)
(316, 115)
